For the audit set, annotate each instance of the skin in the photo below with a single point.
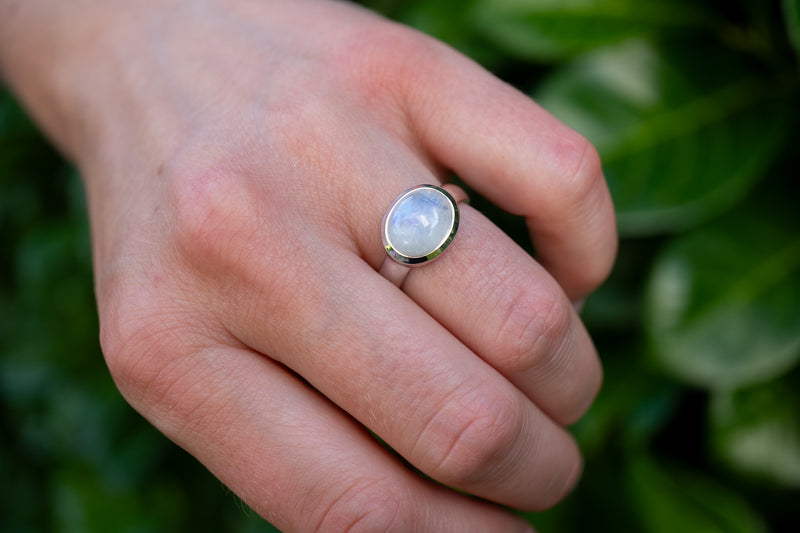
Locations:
(238, 157)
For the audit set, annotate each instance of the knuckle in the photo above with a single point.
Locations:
(475, 438)
(213, 214)
(534, 328)
(582, 167)
(386, 61)
(222, 228)
(363, 506)
(156, 352)
(128, 344)
(153, 364)
(140, 344)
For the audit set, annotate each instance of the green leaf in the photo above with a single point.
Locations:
(446, 20)
(82, 502)
(723, 303)
(670, 499)
(633, 405)
(791, 15)
(684, 131)
(551, 29)
(756, 431)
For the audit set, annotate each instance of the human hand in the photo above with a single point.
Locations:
(238, 158)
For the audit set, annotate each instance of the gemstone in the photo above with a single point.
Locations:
(420, 223)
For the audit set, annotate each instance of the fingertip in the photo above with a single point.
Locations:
(564, 485)
(574, 477)
(575, 233)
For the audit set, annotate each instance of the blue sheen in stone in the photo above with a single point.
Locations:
(420, 223)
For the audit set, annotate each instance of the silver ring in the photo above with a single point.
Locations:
(418, 226)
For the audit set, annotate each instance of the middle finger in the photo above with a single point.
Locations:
(380, 357)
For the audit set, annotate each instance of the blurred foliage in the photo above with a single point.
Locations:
(692, 105)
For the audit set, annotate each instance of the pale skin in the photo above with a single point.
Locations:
(238, 157)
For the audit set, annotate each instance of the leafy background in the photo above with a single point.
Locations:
(694, 108)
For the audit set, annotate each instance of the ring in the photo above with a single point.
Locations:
(418, 226)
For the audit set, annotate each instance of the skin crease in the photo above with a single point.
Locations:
(238, 157)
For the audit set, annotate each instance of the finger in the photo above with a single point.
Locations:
(520, 157)
(374, 352)
(302, 294)
(292, 456)
(491, 295)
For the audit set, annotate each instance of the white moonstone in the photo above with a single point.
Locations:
(420, 222)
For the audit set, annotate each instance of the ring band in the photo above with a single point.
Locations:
(417, 227)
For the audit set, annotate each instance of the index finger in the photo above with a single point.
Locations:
(520, 157)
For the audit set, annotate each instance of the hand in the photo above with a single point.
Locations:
(238, 159)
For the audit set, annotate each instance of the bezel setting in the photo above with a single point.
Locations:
(418, 260)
